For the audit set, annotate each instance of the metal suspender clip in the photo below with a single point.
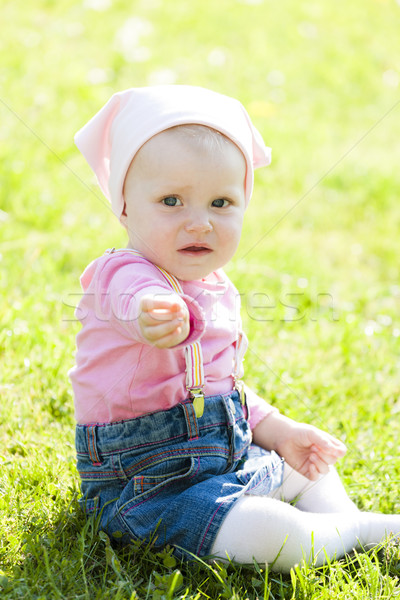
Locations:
(197, 396)
(239, 385)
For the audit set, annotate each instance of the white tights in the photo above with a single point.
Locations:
(324, 522)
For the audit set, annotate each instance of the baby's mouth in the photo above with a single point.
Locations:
(195, 249)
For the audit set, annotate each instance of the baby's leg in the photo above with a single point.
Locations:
(273, 531)
(325, 495)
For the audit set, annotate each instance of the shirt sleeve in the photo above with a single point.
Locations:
(259, 409)
(120, 288)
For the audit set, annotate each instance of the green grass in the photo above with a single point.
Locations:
(318, 264)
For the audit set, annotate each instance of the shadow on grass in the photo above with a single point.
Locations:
(72, 559)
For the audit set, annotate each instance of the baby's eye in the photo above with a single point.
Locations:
(220, 203)
(171, 201)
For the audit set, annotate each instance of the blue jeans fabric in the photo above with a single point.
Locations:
(170, 476)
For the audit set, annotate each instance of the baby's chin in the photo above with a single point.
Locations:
(191, 276)
(199, 272)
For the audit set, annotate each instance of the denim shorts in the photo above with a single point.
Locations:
(171, 477)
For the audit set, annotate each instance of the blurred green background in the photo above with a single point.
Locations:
(318, 263)
(321, 82)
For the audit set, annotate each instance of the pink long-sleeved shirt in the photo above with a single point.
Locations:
(118, 375)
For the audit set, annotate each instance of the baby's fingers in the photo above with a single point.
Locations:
(328, 444)
(318, 464)
(309, 470)
(336, 447)
(327, 457)
(155, 317)
(160, 307)
(164, 322)
(154, 333)
(329, 453)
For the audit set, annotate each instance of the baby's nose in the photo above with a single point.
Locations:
(199, 222)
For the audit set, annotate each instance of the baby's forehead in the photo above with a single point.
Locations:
(192, 134)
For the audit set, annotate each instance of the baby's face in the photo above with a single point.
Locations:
(185, 203)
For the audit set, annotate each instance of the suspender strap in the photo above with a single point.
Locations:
(240, 351)
(194, 366)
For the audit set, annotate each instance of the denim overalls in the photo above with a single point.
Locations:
(171, 476)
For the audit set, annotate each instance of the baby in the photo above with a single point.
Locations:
(172, 447)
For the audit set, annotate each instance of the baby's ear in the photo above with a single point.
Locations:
(124, 218)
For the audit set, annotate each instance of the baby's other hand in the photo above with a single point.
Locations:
(305, 448)
(164, 321)
(310, 450)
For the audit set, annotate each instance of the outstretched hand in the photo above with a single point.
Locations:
(164, 321)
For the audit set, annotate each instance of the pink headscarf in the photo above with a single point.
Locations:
(110, 140)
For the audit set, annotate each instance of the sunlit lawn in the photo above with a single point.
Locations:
(318, 265)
